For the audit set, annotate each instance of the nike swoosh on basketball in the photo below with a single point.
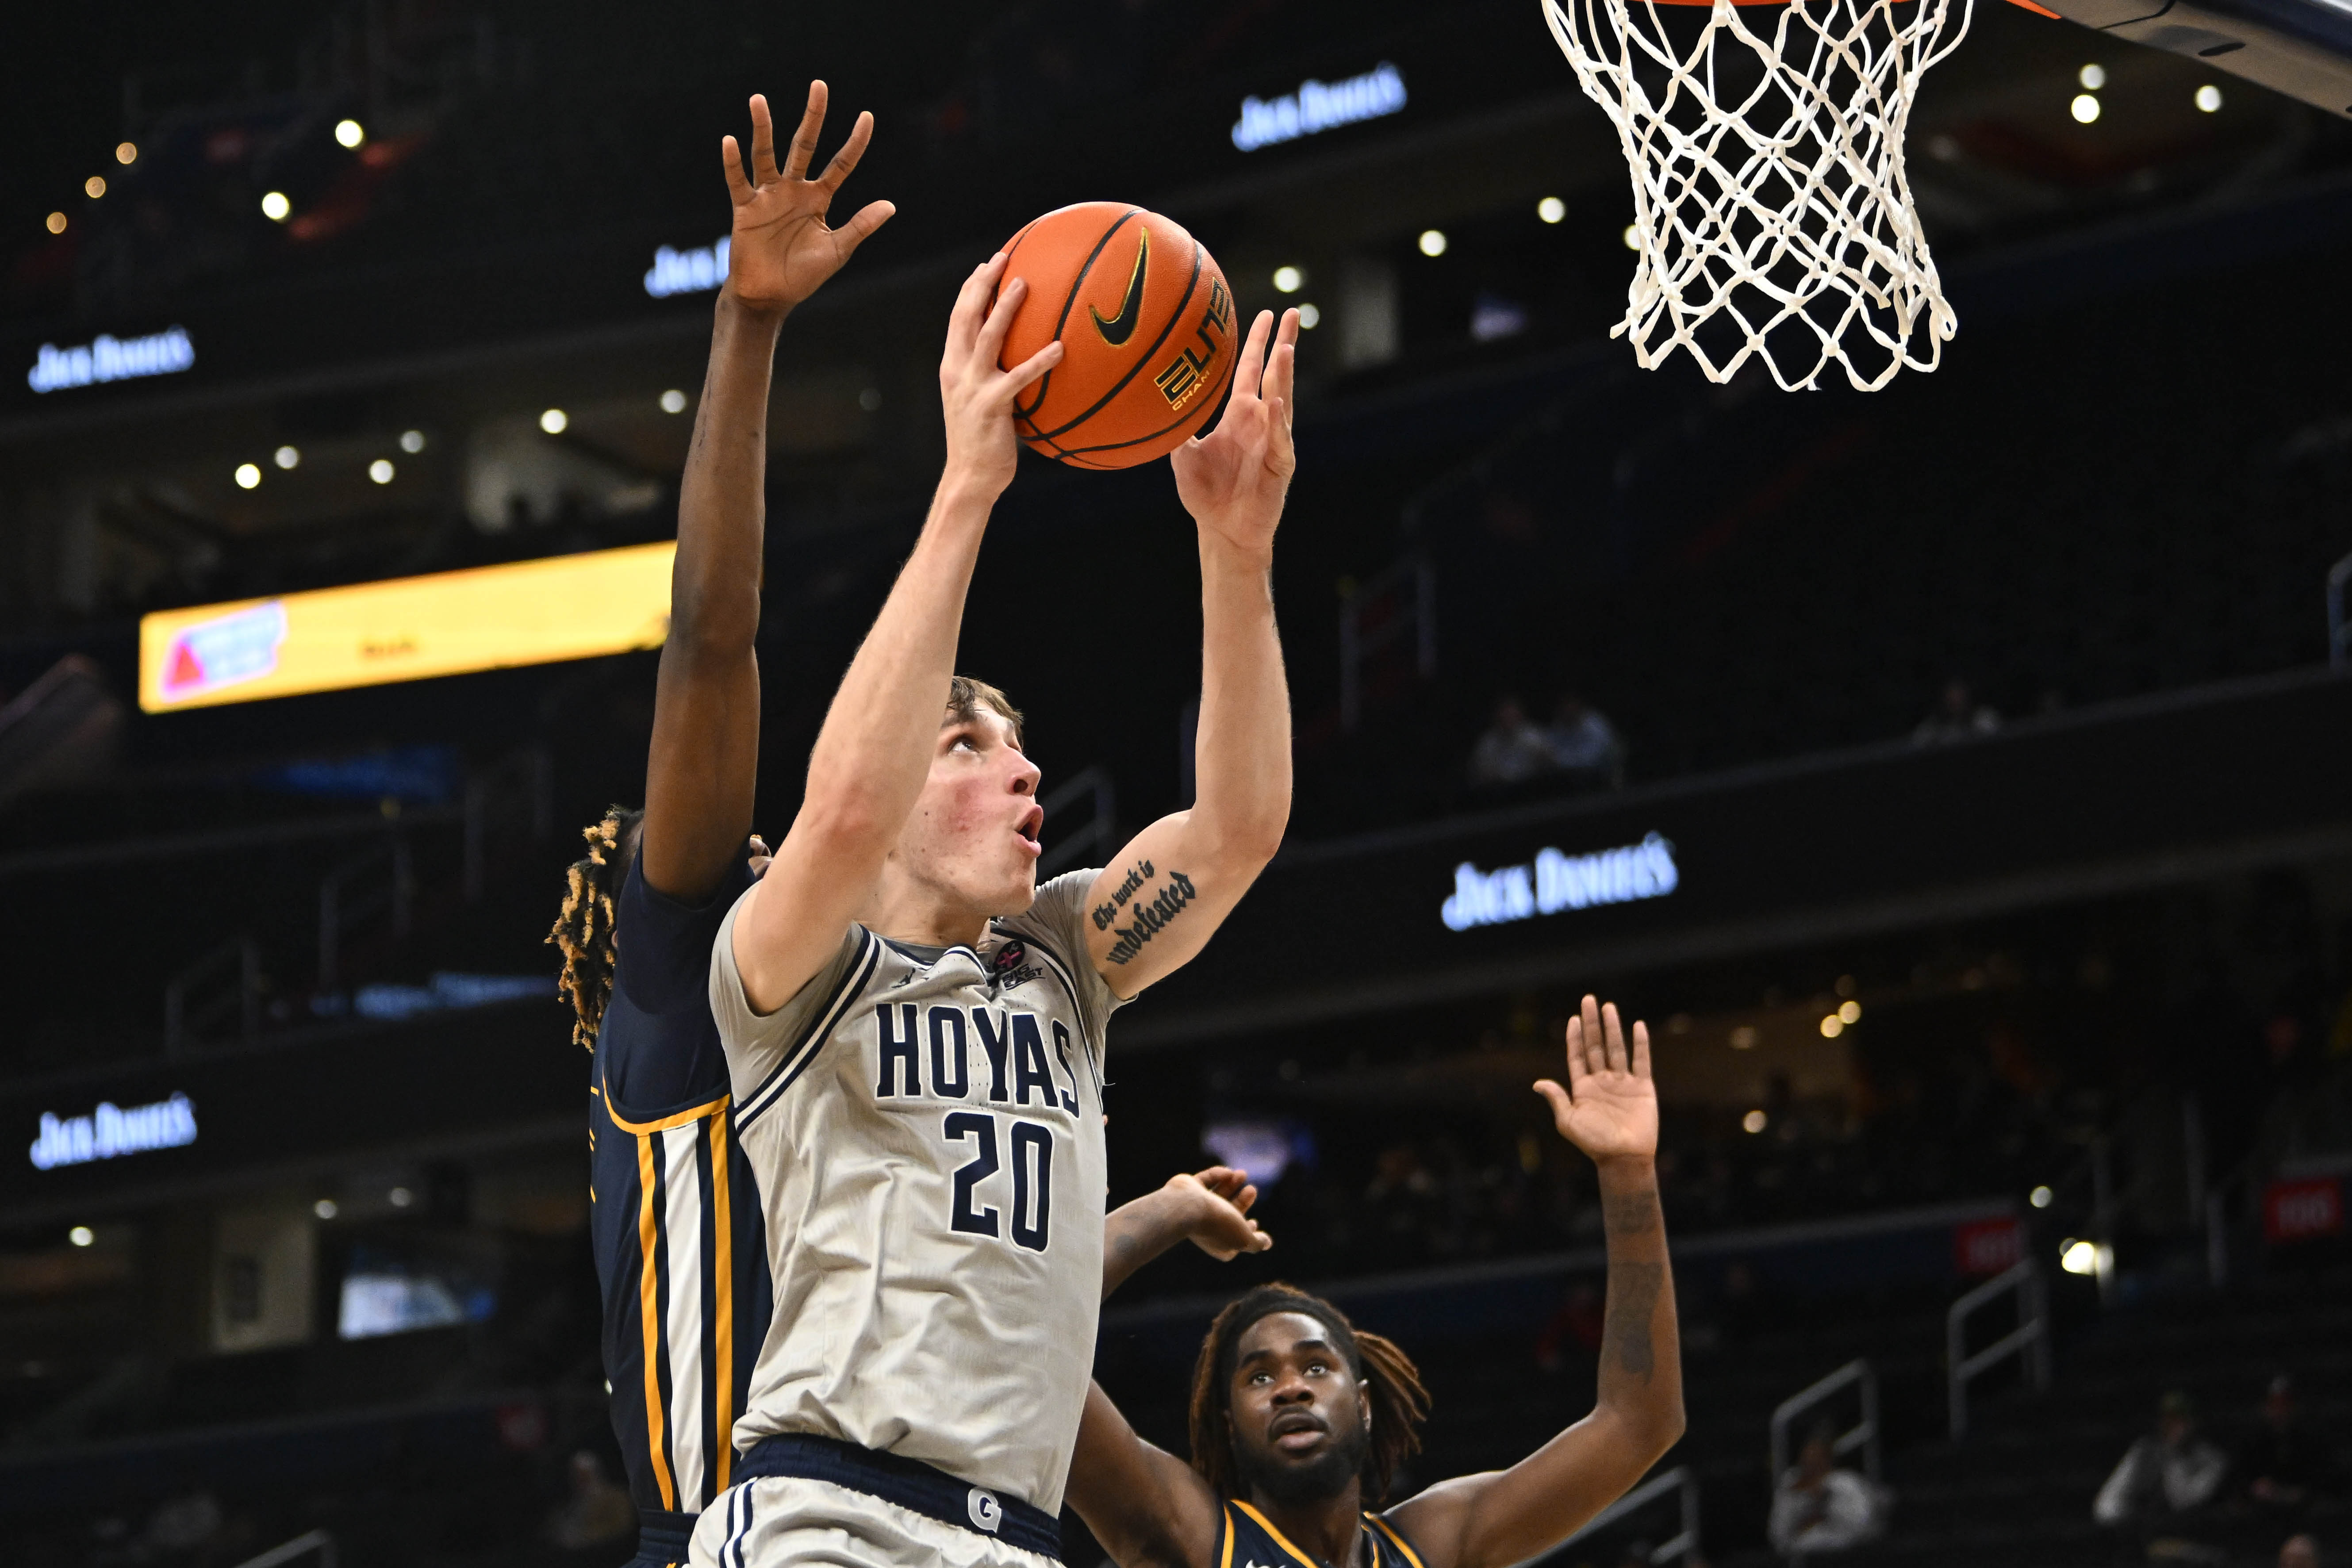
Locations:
(1121, 327)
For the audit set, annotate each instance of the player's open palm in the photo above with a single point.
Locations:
(782, 249)
(1610, 1108)
(1234, 479)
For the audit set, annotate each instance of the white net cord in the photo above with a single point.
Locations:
(1782, 206)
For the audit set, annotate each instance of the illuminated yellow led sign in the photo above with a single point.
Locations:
(370, 634)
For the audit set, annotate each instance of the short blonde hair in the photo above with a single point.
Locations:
(967, 697)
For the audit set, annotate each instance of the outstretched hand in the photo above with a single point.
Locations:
(1234, 479)
(976, 393)
(1218, 1201)
(1610, 1108)
(782, 250)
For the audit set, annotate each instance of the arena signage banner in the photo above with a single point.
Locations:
(1877, 838)
(370, 634)
(105, 359)
(1319, 106)
(111, 1131)
(1557, 881)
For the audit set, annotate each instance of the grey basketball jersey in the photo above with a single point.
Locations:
(926, 1125)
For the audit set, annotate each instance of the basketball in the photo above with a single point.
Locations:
(1147, 327)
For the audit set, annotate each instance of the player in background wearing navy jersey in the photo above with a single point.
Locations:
(680, 1244)
(1298, 1420)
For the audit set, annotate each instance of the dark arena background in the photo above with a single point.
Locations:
(1957, 778)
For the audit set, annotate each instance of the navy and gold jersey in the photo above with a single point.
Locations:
(1252, 1541)
(681, 1252)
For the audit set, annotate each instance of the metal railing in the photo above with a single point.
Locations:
(1682, 1482)
(295, 1551)
(1100, 833)
(1864, 1436)
(1417, 616)
(189, 1010)
(379, 881)
(2339, 630)
(2029, 1342)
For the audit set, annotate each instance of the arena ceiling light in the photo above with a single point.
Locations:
(412, 441)
(2092, 77)
(81, 1235)
(2040, 1197)
(1289, 279)
(1551, 209)
(248, 475)
(2085, 109)
(55, 223)
(126, 152)
(288, 456)
(349, 132)
(95, 186)
(673, 401)
(2209, 98)
(554, 421)
(276, 208)
(381, 470)
(1309, 316)
(1432, 242)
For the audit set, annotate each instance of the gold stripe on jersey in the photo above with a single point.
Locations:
(723, 1284)
(1385, 1528)
(1303, 1559)
(679, 1118)
(650, 1315)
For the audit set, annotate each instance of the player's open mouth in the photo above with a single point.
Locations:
(1295, 1431)
(1026, 829)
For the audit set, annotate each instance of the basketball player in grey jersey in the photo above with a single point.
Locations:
(916, 1030)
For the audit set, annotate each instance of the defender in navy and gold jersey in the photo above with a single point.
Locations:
(918, 1031)
(681, 1248)
(1299, 1420)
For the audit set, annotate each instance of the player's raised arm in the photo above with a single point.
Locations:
(1165, 895)
(1211, 1210)
(874, 749)
(702, 766)
(1609, 1109)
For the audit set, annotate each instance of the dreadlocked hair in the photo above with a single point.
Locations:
(583, 928)
(1400, 1404)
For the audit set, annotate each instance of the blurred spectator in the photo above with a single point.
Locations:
(1817, 1507)
(2283, 1465)
(596, 1512)
(1957, 716)
(2299, 1552)
(1513, 750)
(2171, 1473)
(1584, 742)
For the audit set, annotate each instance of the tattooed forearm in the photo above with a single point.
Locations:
(1631, 1213)
(1150, 916)
(1633, 1290)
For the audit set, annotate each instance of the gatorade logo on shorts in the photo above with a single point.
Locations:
(987, 1514)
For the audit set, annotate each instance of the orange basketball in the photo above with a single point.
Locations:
(1147, 330)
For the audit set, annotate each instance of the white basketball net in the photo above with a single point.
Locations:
(1781, 206)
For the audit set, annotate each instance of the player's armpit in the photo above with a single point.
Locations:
(1156, 905)
(1148, 1508)
(1502, 1517)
